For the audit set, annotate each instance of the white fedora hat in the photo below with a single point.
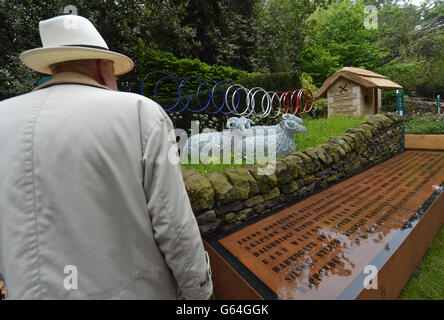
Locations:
(68, 38)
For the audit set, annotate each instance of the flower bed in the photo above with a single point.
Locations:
(424, 123)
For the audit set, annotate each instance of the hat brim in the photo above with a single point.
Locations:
(41, 58)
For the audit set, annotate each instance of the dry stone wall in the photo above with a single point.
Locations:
(222, 201)
(419, 104)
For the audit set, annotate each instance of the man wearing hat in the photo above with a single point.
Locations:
(91, 205)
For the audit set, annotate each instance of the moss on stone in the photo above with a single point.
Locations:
(187, 172)
(344, 145)
(325, 158)
(357, 137)
(309, 166)
(200, 191)
(396, 118)
(350, 141)
(291, 187)
(283, 173)
(309, 179)
(373, 129)
(229, 218)
(224, 192)
(364, 132)
(386, 121)
(272, 180)
(245, 214)
(295, 165)
(273, 194)
(262, 180)
(242, 181)
(311, 153)
(335, 150)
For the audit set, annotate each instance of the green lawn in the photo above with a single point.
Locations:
(318, 131)
(429, 285)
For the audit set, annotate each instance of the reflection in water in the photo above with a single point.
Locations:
(315, 248)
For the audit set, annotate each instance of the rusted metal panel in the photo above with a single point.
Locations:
(318, 248)
(228, 283)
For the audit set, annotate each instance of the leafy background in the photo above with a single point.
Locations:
(223, 39)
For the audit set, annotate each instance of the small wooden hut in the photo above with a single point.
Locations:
(355, 92)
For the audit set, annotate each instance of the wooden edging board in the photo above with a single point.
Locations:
(425, 142)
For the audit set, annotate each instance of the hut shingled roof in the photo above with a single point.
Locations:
(365, 78)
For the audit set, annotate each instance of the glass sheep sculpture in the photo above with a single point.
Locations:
(244, 138)
(277, 141)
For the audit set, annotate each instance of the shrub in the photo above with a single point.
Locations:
(282, 81)
(153, 60)
(388, 101)
(320, 107)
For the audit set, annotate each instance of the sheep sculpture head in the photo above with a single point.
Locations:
(292, 124)
(241, 123)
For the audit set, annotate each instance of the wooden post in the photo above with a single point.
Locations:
(375, 100)
(401, 108)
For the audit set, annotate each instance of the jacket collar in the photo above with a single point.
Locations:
(71, 78)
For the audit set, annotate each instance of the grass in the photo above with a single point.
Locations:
(318, 131)
(429, 284)
(205, 169)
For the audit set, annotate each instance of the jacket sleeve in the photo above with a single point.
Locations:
(174, 224)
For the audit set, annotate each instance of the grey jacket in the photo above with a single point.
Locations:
(90, 205)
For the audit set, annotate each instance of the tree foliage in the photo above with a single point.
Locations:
(282, 27)
(338, 38)
(406, 46)
(193, 70)
(317, 37)
(225, 31)
(415, 39)
(128, 26)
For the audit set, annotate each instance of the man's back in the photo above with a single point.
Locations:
(86, 194)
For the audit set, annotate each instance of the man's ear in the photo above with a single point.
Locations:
(105, 70)
(101, 71)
